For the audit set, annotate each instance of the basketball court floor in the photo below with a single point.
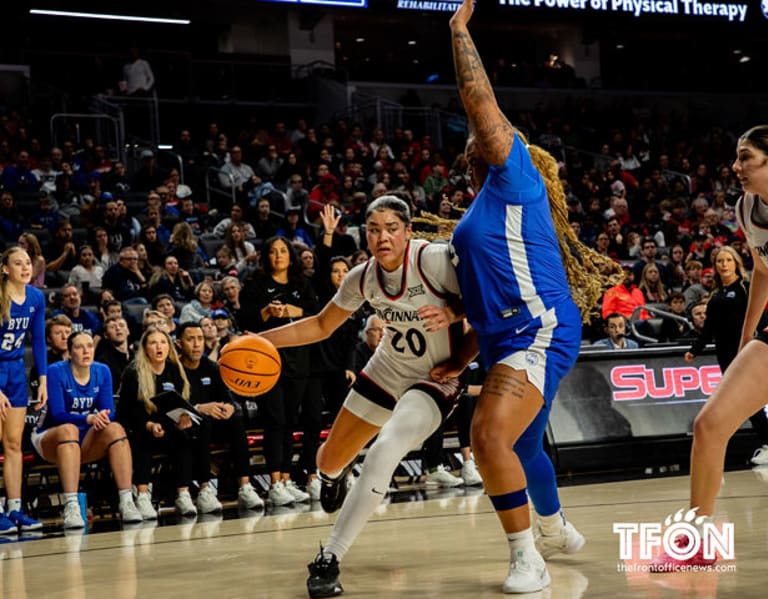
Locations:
(420, 544)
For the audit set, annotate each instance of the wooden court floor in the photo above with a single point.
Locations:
(447, 546)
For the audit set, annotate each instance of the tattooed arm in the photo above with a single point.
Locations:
(492, 130)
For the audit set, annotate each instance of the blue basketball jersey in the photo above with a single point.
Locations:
(506, 252)
(69, 402)
(29, 316)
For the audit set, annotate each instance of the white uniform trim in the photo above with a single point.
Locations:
(518, 256)
(534, 359)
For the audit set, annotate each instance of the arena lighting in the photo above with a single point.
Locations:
(165, 147)
(108, 17)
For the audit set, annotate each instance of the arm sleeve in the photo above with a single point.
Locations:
(437, 267)
(38, 332)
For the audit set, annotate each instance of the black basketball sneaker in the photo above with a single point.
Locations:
(333, 490)
(323, 578)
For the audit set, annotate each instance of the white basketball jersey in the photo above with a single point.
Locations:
(407, 351)
(756, 234)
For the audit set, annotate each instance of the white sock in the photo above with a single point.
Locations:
(413, 420)
(14, 505)
(70, 498)
(552, 525)
(521, 543)
(123, 493)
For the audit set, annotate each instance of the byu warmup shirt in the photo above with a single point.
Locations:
(69, 402)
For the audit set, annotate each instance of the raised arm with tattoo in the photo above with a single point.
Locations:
(493, 132)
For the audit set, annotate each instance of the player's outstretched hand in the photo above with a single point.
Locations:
(464, 13)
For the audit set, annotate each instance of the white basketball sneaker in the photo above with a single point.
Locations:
(248, 498)
(144, 505)
(72, 517)
(295, 492)
(527, 573)
(278, 495)
(568, 540)
(760, 456)
(185, 506)
(207, 502)
(129, 513)
(313, 488)
(443, 478)
(470, 475)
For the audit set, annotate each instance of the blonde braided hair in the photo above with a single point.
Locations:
(444, 226)
(589, 272)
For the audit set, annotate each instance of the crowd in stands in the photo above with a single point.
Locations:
(119, 252)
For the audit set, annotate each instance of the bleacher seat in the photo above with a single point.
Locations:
(211, 245)
(136, 311)
(27, 201)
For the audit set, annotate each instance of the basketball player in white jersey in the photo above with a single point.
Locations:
(409, 283)
(742, 390)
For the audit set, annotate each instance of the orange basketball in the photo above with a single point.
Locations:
(249, 365)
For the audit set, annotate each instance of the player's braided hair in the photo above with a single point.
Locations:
(589, 272)
(443, 226)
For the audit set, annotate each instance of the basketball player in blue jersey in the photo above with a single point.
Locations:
(22, 309)
(408, 283)
(509, 258)
(77, 427)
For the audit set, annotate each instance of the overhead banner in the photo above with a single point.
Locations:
(735, 12)
(731, 11)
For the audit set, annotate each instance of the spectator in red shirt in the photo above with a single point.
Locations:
(625, 297)
(323, 193)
